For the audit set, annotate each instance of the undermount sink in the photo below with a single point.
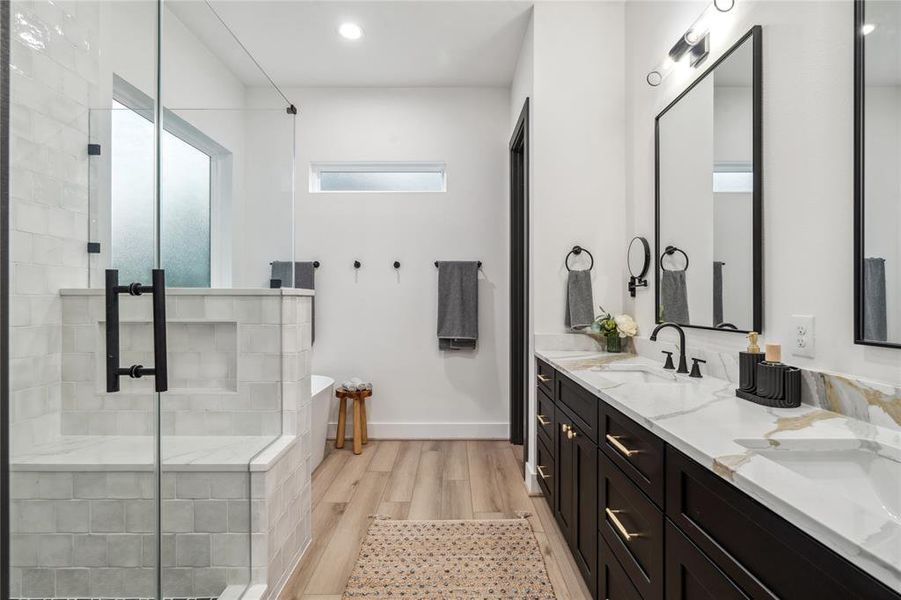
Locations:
(868, 472)
(636, 374)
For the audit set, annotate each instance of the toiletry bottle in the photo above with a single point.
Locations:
(770, 373)
(747, 364)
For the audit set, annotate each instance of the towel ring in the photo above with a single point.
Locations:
(669, 251)
(577, 250)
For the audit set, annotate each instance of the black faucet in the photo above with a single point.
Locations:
(683, 364)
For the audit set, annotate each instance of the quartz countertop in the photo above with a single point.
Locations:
(836, 478)
(136, 453)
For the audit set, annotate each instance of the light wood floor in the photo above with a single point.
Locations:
(419, 480)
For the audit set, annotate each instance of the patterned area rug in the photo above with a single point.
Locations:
(450, 559)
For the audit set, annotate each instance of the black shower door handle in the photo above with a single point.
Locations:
(113, 369)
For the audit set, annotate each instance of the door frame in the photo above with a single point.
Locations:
(519, 281)
(5, 30)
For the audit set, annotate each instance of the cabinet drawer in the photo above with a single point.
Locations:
(546, 471)
(765, 555)
(691, 576)
(613, 583)
(582, 405)
(546, 420)
(545, 377)
(633, 528)
(635, 450)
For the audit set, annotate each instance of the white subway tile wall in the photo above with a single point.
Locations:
(226, 375)
(54, 71)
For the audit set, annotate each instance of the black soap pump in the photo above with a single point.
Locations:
(747, 364)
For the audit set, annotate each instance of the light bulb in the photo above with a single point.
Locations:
(350, 31)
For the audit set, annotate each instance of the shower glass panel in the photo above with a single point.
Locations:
(84, 478)
(143, 136)
(226, 213)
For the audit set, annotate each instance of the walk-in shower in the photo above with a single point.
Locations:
(140, 132)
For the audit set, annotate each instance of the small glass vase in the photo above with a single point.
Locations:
(614, 343)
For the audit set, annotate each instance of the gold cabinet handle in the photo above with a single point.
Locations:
(543, 420)
(570, 434)
(564, 427)
(543, 378)
(619, 526)
(541, 473)
(614, 441)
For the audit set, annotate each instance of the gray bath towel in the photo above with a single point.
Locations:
(674, 297)
(458, 305)
(303, 277)
(874, 313)
(579, 300)
(717, 292)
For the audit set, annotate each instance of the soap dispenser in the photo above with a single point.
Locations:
(747, 364)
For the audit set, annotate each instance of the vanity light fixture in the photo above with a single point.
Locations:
(867, 28)
(350, 31)
(694, 45)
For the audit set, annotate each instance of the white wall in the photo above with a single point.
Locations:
(576, 52)
(378, 323)
(808, 167)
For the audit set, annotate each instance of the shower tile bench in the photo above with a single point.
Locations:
(235, 448)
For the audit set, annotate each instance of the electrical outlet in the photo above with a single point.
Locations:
(803, 340)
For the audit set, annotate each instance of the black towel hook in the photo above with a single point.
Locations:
(397, 264)
(577, 250)
(357, 264)
(669, 251)
(315, 264)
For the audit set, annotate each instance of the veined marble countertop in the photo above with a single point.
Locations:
(836, 478)
(136, 452)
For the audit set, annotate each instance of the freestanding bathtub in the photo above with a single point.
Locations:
(323, 390)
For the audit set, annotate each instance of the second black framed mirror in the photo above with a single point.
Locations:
(709, 196)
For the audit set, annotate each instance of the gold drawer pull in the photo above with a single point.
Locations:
(564, 427)
(619, 526)
(543, 420)
(570, 434)
(614, 441)
(543, 378)
(541, 473)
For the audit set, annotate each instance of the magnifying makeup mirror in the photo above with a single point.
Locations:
(639, 260)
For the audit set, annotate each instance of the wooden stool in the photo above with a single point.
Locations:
(359, 398)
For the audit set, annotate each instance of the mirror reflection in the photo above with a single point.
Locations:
(707, 204)
(879, 250)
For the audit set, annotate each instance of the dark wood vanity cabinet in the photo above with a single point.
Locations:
(575, 502)
(644, 521)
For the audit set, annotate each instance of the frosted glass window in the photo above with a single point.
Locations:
(184, 205)
(377, 177)
(185, 214)
(732, 182)
(132, 159)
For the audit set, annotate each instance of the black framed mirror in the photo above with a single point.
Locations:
(638, 259)
(877, 149)
(709, 196)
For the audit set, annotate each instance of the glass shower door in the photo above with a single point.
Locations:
(84, 476)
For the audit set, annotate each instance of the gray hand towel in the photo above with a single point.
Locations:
(674, 297)
(875, 325)
(458, 305)
(303, 277)
(281, 270)
(717, 292)
(579, 300)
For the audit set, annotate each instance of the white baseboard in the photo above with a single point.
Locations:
(429, 431)
(532, 481)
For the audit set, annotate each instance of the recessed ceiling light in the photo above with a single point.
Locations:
(350, 31)
(867, 29)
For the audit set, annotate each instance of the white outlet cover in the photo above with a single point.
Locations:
(803, 336)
